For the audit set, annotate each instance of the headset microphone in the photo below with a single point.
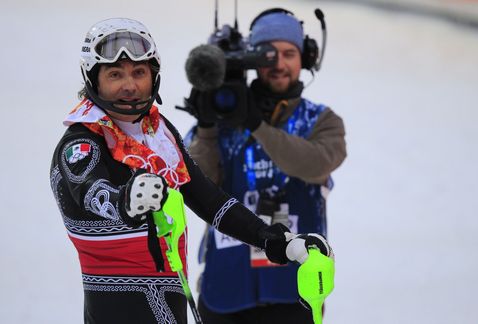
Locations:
(320, 16)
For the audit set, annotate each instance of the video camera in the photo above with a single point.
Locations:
(218, 74)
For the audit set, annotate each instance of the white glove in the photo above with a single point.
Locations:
(297, 248)
(145, 192)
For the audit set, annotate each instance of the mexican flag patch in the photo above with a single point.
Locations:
(77, 152)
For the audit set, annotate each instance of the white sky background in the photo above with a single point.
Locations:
(402, 218)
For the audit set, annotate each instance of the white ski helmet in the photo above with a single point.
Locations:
(109, 41)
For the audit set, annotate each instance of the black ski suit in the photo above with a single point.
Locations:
(121, 284)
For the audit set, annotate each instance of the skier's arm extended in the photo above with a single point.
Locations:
(219, 209)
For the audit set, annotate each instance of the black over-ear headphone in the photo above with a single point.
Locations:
(310, 53)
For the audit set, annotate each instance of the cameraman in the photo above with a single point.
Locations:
(278, 163)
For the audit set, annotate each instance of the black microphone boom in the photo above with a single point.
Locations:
(206, 67)
(320, 16)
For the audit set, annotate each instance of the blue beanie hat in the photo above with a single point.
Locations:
(278, 26)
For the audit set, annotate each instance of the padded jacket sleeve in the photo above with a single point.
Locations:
(310, 159)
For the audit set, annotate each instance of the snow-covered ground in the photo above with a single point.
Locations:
(403, 218)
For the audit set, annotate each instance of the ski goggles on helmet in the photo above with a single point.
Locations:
(111, 47)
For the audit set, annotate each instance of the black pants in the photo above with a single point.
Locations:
(268, 314)
(135, 304)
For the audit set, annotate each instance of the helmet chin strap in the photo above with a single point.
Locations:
(112, 105)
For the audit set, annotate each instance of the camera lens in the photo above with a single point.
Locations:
(225, 100)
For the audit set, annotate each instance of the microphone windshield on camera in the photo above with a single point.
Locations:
(206, 67)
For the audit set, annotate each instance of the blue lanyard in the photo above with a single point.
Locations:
(279, 178)
(249, 158)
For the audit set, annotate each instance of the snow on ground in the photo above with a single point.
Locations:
(402, 218)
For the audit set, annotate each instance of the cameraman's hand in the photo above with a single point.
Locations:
(195, 101)
(144, 193)
(254, 114)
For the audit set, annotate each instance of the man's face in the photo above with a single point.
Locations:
(127, 81)
(286, 72)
